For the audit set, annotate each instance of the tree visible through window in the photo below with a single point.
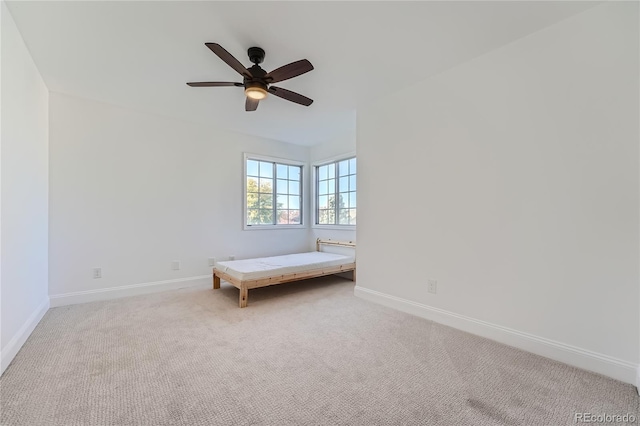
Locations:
(336, 193)
(274, 193)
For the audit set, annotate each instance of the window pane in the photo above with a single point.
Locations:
(343, 200)
(281, 171)
(331, 216)
(283, 202)
(252, 168)
(266, 169)
(343, 217)
(332, 201)
(283, 216)
(266, 201)
(252, 200)
(252, 185)
(322, 172)
(253, 217)
(343, 168)
(294, 187)
(294, 172)
(352, 216)
(289, 217)
(283, 186)
(266, 185)
(294, 217)
(294, 201)
(336, 196)
(343, 186)
(323, 217)
(266, 217)
(323, 187)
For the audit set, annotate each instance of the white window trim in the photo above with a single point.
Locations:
(314, 198)
(249, 156)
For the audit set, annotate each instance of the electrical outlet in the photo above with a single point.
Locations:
(175, 265)
(212, 261)
(232, 257)
(432, 286)
(97, 272)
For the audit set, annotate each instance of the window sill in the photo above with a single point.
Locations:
(335, 227)
(272, 227)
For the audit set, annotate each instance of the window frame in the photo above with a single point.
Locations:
(314, 192)
(276, 160)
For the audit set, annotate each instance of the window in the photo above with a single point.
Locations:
(336, 193)
(273, 192)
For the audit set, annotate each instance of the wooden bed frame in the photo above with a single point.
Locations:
(245, 285)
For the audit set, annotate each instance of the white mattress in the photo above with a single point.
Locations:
(262, 267)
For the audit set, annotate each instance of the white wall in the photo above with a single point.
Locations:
(341, 145)
(132, 192)
(24, 182)
(513, 181)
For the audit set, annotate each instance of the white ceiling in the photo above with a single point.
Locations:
(139, 55)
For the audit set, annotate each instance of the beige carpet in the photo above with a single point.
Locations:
(307, 353)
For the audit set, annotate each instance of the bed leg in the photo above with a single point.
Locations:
(216, 282)
(244, 295)
(353, 276)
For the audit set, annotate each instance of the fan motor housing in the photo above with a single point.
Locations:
(257, 73)
(256, 55)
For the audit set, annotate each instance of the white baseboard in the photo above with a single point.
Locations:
(16, 342)
(638, 380)
(127, 290)
(624, 371)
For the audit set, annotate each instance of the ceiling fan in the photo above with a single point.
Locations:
(256, 81)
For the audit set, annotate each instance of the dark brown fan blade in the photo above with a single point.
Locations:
(214, 84)
(290, 96)
(251, 104)
(288, 71)
(229, 59)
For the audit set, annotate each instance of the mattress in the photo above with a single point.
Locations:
(263, 267)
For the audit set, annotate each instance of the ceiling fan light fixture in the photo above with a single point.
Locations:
(256, 92)
(256, 81)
